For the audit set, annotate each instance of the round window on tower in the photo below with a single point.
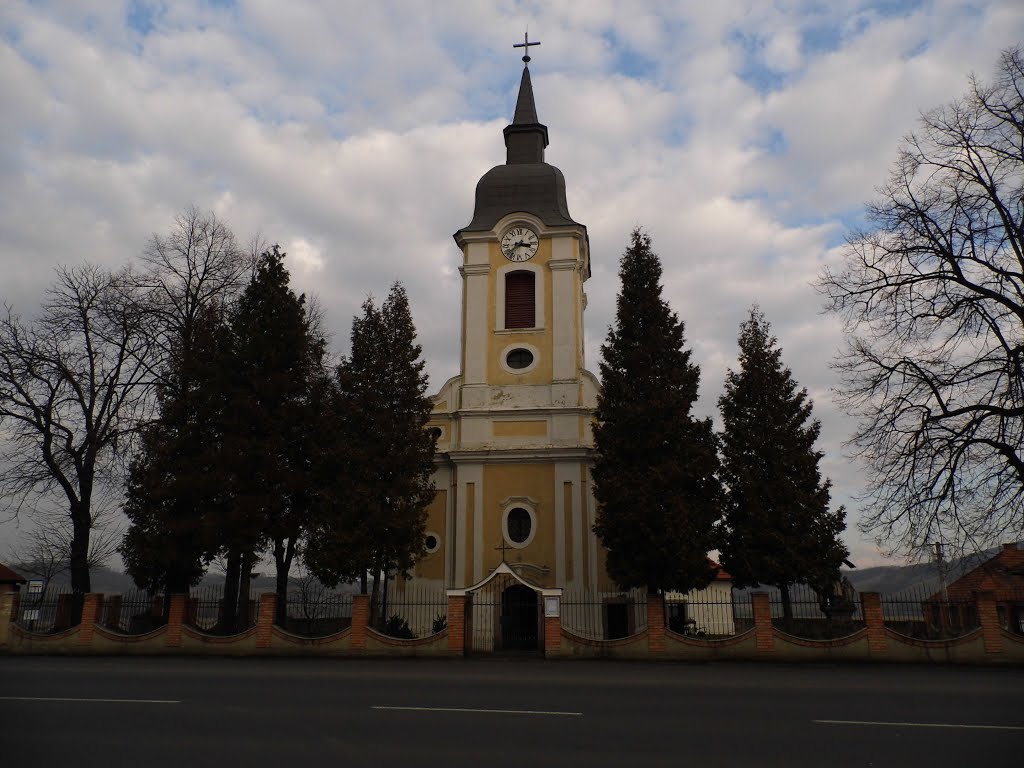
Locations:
(518, 525)
(519, 358)
(431, 543)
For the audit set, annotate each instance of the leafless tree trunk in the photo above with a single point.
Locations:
(933, 299)
(73, 388)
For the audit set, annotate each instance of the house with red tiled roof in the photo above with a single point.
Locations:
(1002, 575)
(9, 580)
(706, 612)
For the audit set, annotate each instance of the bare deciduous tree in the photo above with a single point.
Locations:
(72, 390)
(45, 550)
(933, 300)
(198, 263)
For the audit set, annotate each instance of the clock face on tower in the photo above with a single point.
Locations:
(519, 244)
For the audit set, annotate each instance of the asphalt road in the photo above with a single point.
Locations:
(292, 712)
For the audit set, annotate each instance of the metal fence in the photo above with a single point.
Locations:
(702, 613)
(48, 611)
(928, 615)
(604, 615)
(205, 611)
(411, 612)
(133, 613)
(816, 616)
(317, 613)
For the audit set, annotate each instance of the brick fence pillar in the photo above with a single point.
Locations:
(457, 624)
(360, 620)
(764, 634)
(265, 619)
(8, 608)
(552, 624)
(92, 604)
(988, 617)
(175, 621)
(874, 620)
(655, 623)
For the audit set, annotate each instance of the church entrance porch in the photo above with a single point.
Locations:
(503, 615)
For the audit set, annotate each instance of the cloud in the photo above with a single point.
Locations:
(742, 135)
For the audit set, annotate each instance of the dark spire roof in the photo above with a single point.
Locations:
(526, 137)
(526, 107)
(525, 183)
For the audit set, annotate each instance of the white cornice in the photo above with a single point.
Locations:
(521, 455)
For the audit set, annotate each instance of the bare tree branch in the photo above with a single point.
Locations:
(933, 301)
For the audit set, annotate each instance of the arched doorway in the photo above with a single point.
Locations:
(519, 618)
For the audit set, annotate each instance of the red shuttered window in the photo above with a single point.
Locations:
(520, 305)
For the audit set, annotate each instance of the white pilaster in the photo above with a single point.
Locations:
(563, 293)
(565, 472)
(475, 276)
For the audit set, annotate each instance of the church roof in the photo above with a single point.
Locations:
(525, 183)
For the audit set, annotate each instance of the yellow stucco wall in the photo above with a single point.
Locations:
(432, 564)
(503, 481)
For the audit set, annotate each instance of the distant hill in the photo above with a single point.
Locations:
(918, 577)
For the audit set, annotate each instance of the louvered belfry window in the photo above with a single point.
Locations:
(520, 305)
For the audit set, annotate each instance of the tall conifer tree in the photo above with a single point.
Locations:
(270, 427)
(655, 473)
(377, 522)
(176, 480)
(777, 528)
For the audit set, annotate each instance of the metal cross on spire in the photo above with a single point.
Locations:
(526, 44)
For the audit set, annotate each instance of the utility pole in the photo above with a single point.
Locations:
(940, 564)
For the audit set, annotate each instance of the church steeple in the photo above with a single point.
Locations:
(526, 137)
(525, 183)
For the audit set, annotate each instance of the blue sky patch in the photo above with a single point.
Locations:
(142, 15)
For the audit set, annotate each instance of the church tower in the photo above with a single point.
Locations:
(515, 442)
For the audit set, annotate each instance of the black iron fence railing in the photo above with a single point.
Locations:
(703, 613)
(48, 611)
(604, 615)
(816, 616)
(133, 613)
(318, 613)
(411, 612)
(927, 614)
(205, 611)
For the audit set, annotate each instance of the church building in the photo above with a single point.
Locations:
(514, 427)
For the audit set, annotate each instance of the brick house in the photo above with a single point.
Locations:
(9, 580)
(1003, 575)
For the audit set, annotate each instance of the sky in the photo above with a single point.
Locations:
(745, 136)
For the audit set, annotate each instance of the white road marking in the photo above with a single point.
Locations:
(485, 711)
(924, 725)
(92, 701)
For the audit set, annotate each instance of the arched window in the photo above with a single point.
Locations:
(520, 303)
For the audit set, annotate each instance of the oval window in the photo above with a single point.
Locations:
(518, 359)
(431, 542)
(519, 524)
